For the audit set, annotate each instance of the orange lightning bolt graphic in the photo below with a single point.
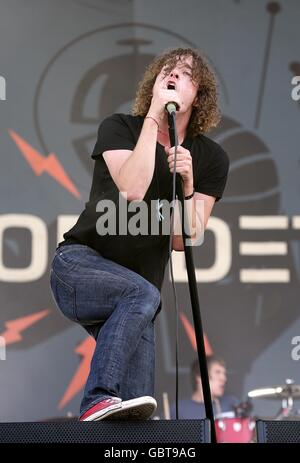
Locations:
(192, 337)
(40, 164)
(86, 350)
(15, 327)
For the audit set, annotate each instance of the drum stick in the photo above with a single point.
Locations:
(166, 406)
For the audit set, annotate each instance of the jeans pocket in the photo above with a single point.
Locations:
(64, 296)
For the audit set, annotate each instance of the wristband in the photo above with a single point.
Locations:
(150, 117)
(190, 196)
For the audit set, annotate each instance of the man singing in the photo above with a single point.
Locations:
(109, 280)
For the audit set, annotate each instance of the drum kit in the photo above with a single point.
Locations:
(234, 429)
(287, 393)
(241, 429)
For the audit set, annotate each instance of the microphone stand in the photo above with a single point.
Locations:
(193, 290)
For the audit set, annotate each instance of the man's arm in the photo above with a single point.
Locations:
(197, 216)
(132, 171)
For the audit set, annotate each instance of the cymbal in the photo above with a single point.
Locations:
(276, 392)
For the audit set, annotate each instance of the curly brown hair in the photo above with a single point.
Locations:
(206, 113)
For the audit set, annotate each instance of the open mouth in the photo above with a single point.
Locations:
(171, 86)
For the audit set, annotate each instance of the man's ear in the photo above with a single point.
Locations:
(196, 102)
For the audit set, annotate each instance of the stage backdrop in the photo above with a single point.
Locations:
(67, 64)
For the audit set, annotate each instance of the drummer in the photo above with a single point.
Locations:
(193, 407)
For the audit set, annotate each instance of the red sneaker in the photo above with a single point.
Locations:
(102, 409)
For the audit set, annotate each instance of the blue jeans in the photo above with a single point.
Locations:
(117, 306)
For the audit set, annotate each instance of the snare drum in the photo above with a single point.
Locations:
(235, 430)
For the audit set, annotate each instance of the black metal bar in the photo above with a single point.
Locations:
(193, 293)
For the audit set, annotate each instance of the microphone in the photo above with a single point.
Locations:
(171, 107)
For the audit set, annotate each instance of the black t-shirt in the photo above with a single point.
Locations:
(189, 409)
(145, 254)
